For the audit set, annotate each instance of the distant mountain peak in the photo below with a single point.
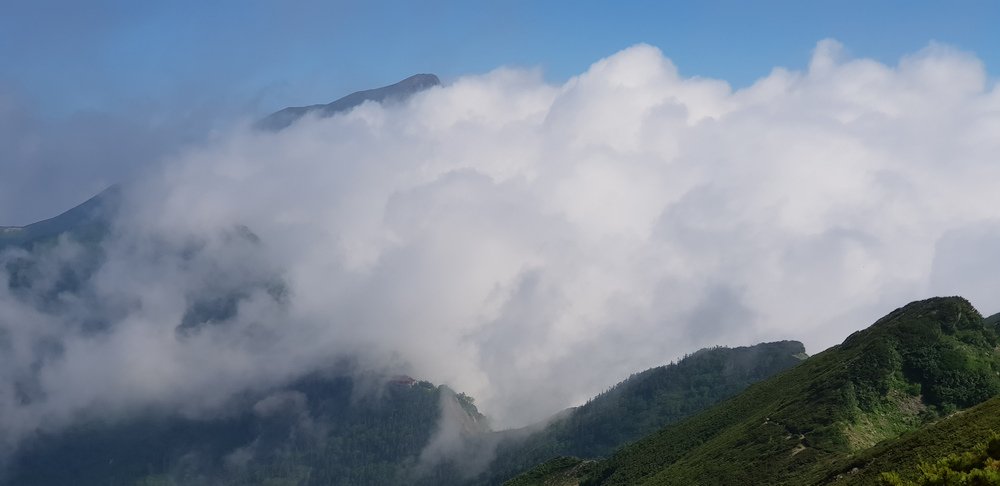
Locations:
(421, 81)
(394, 92)
(93, 217)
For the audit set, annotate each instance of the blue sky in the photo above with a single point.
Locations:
(261, 55)
(91, 92)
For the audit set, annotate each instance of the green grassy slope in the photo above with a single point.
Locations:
(927, 358)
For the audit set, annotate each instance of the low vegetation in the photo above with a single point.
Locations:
(980, 466)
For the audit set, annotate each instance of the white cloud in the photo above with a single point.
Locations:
(531, 244)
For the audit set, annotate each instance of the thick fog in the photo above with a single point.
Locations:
(526, 243)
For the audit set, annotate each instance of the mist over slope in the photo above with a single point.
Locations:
(345, 426)
(324, 429)
(500, 233)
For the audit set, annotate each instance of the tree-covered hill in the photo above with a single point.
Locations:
(920, 362)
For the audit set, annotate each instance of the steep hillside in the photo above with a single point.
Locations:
(921, 361)
(645, 402)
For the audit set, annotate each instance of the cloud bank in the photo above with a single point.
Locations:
(527, 243)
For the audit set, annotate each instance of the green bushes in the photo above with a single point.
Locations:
(978, 467)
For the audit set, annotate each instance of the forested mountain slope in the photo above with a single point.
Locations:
(916, 364)
(645, 402)
(320, 430)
